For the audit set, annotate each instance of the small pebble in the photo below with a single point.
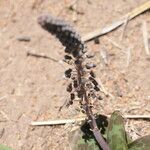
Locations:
(96, 41)
(24, 39)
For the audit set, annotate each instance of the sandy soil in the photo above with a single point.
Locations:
(33, 88)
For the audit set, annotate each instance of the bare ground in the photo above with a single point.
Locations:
(34, 89)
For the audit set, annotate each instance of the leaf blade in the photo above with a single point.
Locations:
(3, 147)
(140, 144)
(116, 134)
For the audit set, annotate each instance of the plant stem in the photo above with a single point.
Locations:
(87, 108)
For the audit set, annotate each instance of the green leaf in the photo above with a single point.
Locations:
(129, 140)
(140, 144)
(3, 147)
(116, 135)
(78, 141)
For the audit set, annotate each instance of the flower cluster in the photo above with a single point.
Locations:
(82, 76)
(64, 32)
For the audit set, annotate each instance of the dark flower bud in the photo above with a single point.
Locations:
(96, 88)
(92, 74)
(92, 94)
(93, 81)
(72, 96)
(99, 98)
(73, 77)
(77, 62)
(70, 102)
(89, 85)
(67, 57)
(64, 32)
(68, 73)
(79, 94)
(75, 53)
(69, 88)
(75, 83)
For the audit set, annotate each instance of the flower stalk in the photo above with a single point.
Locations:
(83, 84)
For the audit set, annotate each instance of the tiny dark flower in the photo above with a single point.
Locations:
(69, 87)
(75, 53)
(77, 62)
(72, 96)
(64, 32)
(73, 77)
(70, 102)
(92, 94)
(96, 88)
(93, 81)
(89, 85)
(92, 74)
(79, 94)
(75, 83)
(68, 73)
(67, 57)
(99, 98)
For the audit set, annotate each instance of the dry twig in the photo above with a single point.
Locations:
(103, 89)
(57, 122)
(124, 28)
(145, 37)
(3, 97)
(137, 11)
(128, 56)
(118, 45)
(66, 121)
(41, 56)
(104, 55)
(4, 115)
